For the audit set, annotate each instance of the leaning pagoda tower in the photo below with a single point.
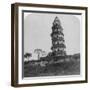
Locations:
(58, 42)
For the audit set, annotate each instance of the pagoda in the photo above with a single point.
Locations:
(58, 42)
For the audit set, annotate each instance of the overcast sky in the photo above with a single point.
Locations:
(37, 30)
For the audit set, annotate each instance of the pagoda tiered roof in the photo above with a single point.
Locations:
(58, 45)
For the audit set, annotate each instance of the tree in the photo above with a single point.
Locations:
(38, 51)
(43, 53)
(27, 55)
(49, 54)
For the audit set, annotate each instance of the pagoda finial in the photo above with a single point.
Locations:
(56, 20)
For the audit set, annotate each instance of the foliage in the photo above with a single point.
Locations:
(27, 55)
(38, 51)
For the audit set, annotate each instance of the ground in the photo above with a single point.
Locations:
(67, 67)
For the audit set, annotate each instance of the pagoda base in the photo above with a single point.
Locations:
(59, 57)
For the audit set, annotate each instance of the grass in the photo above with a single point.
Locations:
(67, 67)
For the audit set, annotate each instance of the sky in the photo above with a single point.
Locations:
(38, 27)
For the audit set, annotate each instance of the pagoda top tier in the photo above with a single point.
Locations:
(57, 24)
(56, 21)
